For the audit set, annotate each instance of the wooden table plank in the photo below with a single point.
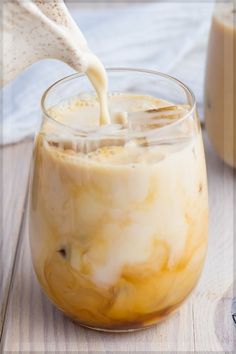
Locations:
(202, 324)
(15, 168)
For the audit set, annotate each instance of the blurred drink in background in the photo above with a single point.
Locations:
(220, 83)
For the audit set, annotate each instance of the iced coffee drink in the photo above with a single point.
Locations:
(118, 212)
(118, 201)
(220, 83)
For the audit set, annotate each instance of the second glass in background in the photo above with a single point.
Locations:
(220, 83)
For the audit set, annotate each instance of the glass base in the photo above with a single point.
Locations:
(128, 330)
(116, 330)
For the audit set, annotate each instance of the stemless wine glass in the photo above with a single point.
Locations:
(119, 214)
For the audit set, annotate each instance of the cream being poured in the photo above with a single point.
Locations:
(39, 29)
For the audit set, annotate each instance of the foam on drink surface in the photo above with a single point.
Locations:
(131, 114)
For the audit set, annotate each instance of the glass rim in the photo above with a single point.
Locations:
(121, 69)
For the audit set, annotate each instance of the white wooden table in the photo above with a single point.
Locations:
(30, 323)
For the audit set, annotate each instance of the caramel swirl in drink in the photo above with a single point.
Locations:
(118, 221)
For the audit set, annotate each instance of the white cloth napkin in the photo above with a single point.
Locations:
(168, 37)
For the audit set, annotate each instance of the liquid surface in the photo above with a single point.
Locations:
(38, 29)
(118, 224)
(220, 84)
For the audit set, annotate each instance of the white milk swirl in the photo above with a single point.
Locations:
(38, 29)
